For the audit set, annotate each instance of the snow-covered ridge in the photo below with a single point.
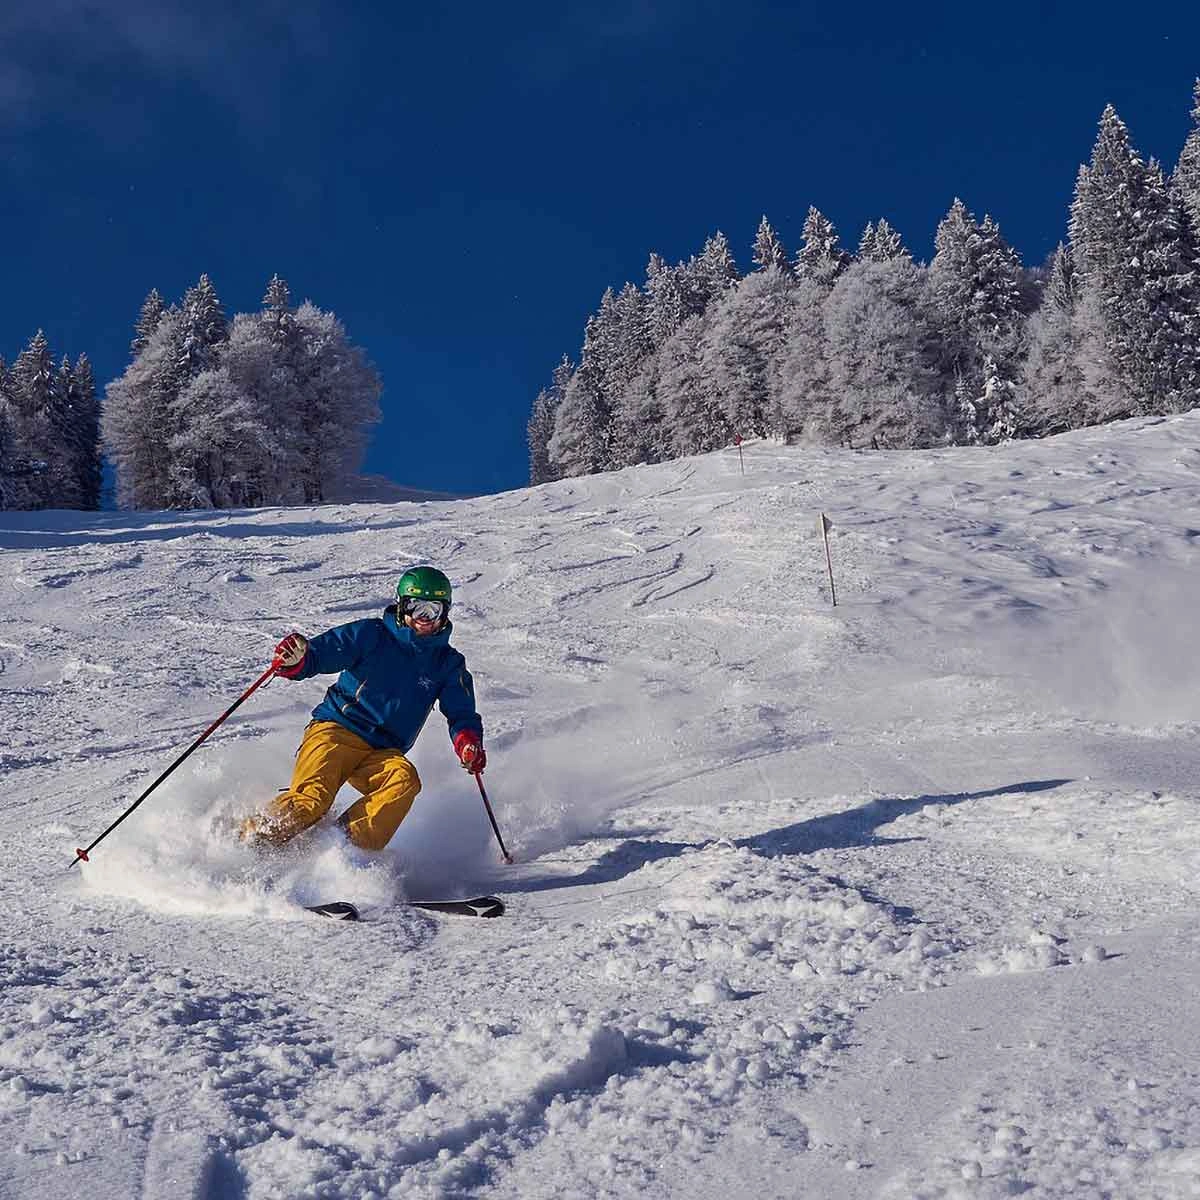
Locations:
(806, 896)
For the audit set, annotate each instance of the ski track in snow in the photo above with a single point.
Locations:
(890, 900)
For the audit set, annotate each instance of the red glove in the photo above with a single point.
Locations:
(468, 745)
(290, 655)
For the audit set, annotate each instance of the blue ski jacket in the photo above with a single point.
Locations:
(390, 679)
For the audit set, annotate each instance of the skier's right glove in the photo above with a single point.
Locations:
(290, 655)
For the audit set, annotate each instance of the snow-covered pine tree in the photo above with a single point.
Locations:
(1185, 181)
(800, 369)
(745, 332)
(86, 441)
(147, 322)
(541, 422)
(880, 347)
(631, 384)
(337, 404)
(821, 257)
(580, 442)
(713, 272)
(951, 284)
(278, 316)
(136, 419)
(887, 244)
(1137, 269)
(997, 308)
(31, 390)
(266, 358)
(1051, 390)
(5, 458)
(62, 490)
(695, 419)
(1000, 403)
(966, 412)
(974, 285)
(769, 250)
(201, 330)
(7, 450)
(584, 439)
(237, 413)
(666, 308)
(866, 243)
(15, 469)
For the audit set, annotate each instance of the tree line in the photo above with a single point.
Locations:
(49, 430)
(873, 348)
(271, 407)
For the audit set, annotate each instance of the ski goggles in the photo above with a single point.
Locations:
(425, 610)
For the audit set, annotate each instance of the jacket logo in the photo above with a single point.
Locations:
(425, 682)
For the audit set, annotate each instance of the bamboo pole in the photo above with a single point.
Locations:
(825, 525)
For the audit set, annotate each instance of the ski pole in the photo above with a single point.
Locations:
(82, 855)
(508, 858)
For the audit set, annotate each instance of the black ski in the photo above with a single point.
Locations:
(477, 906)
(339, 910)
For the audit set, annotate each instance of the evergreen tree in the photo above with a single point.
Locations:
(136, 420)
(1137, 268)
(6, 463)
(278, 315)
(31, 390)
(580, 442)
(768, 249)
(147, 322)
(745, 332)
(1000, 403)
(820, 257)
(695, 417)
(882, 388)
(62, 481)
(713, 272)
(1185, 181)
(203, 327)
(800, 370)
(1051, 387)
(541, 422)
(8, 450)
(630, 383)
(201, 330)
(583, 438)
(337, 404)
(887, 244)
(866, 244)
(974, 285)
(665, 305)
(86, 441)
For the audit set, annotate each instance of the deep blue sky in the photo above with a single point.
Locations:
(459, 183)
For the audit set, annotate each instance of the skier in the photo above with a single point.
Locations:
(392, 669)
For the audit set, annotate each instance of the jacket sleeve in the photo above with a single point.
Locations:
(339, 648)
(457, 700)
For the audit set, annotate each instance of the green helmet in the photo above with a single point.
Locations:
(423, 583)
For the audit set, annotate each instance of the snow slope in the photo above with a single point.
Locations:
(891, 899)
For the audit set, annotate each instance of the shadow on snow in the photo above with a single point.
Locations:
(834, 831)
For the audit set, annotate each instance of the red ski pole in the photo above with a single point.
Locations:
(82, 855)
(508, 858)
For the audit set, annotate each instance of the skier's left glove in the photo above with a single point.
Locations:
(290, 655)
(468, 745)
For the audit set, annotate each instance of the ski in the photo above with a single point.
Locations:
(477, 906)
(338, 910)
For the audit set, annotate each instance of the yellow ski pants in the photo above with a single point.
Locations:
(329, 756)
